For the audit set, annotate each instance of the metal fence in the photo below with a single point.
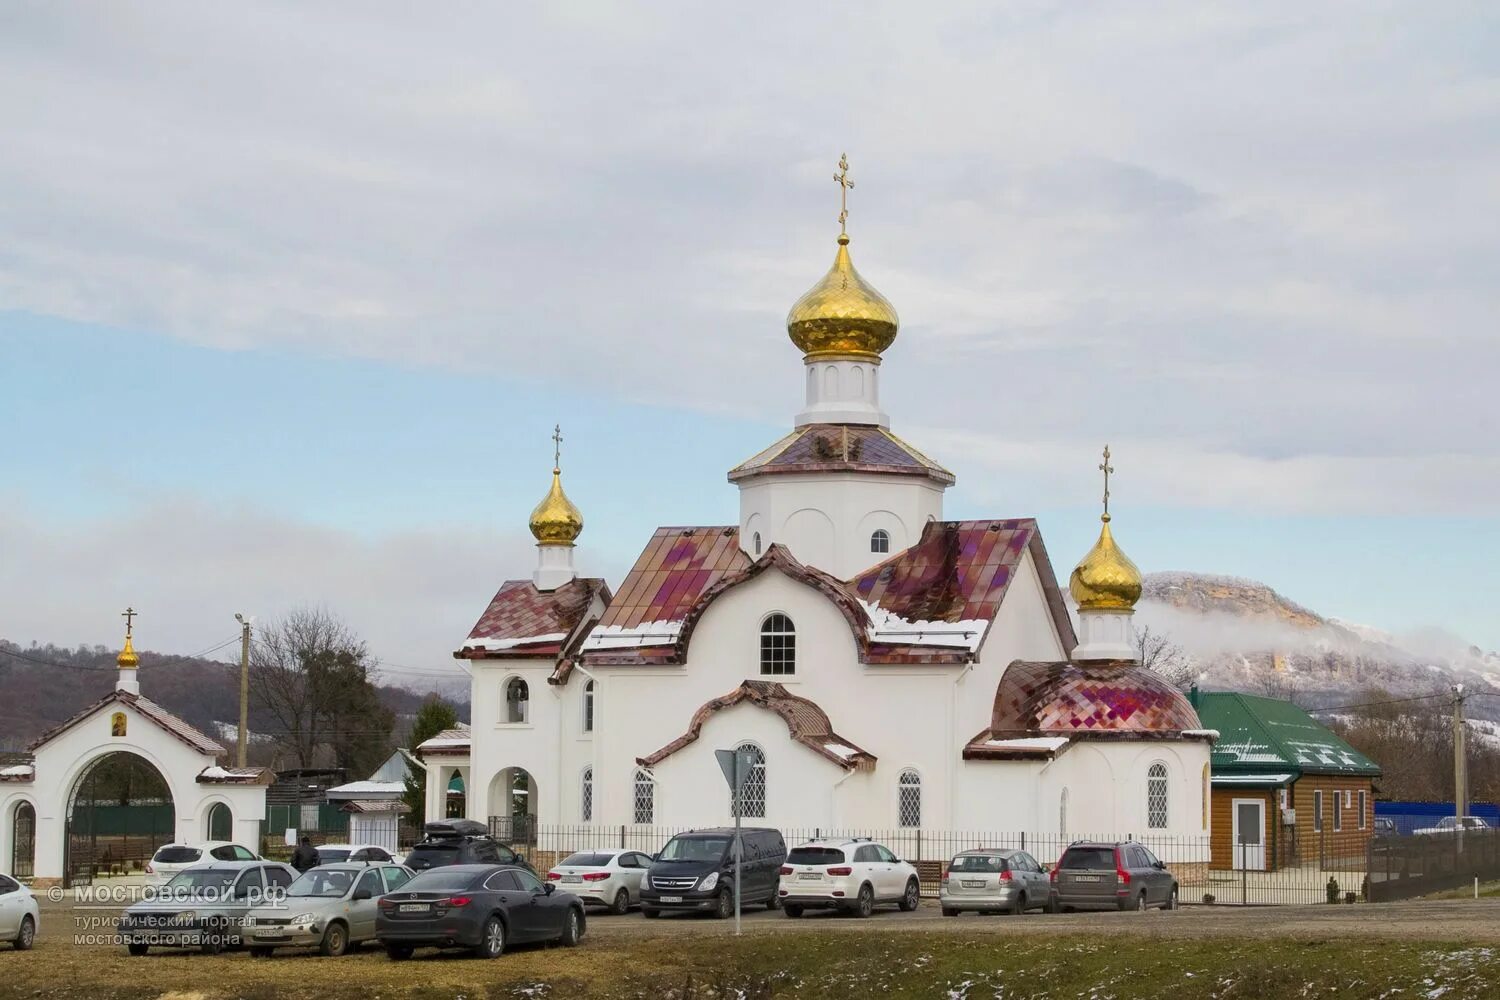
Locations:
(1403, 867)
(1247, 880)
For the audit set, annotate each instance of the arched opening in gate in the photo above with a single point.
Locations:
(220, 822)
(513, 806)
(119, 813)
(23, 840)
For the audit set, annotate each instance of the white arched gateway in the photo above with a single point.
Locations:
(101, 791)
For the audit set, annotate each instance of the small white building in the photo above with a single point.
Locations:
(47, 800)
(884, 666)
(375, 805)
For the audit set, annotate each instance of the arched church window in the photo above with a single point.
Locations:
(909, 798)
(1156, 796)
(588, 707)
(1062, 813)
(778, 645)
(756, 540)
(880, 541)
(586, 797)
(752, 800)
(1205, 795)
(517, 700)
(645, 796)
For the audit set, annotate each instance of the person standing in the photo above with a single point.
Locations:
(305, 856)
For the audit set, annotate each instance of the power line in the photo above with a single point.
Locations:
(1376, 704)
(173, 661)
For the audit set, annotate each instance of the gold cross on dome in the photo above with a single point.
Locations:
(1106, 468)
(129, 615)
(557, 439)
(845, 184)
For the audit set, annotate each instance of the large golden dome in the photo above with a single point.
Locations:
(555, 521)
(1106, 579)
(842, 315)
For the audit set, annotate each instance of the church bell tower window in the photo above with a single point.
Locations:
(778, 645)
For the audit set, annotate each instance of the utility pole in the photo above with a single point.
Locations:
(1460, 771)
(244, 735)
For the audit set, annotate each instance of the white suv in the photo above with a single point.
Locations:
(853, 875)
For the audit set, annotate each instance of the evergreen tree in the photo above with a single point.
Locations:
(432, 718)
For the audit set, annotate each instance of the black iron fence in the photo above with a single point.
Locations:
(1253, 878)
(1403, 867)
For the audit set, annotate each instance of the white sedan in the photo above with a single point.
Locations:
(19, 914)
(605, 877)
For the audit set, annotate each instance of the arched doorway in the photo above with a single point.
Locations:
(119, 813)
(513, 806)
(220, 825)
(23, 841)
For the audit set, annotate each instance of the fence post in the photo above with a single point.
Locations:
(919, 843)
(622, 836)
(1244, 875)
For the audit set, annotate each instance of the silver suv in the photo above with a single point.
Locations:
(994, 881)
(1112, 876)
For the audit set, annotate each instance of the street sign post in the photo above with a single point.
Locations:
(736, 767)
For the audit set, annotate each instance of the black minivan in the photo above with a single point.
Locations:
(695, 872)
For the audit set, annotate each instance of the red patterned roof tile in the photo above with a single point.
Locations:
(524, 621)
(841, 448)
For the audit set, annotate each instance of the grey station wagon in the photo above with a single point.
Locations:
(994, 881)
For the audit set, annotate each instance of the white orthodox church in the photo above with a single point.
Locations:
(884, 666)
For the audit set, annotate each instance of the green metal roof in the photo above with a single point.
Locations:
(1258, 735)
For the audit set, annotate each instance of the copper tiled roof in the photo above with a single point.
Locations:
(456, 742)
(1112, 699)
(805, 721)
(677, 566)
(375, 806)
(519, 611)
(841, 448)
(177, 727)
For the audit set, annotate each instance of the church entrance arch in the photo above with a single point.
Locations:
(513, 806)
(23, 840)
(120, 811)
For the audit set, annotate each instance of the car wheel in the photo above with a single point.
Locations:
(1052, 906)
(649, 913)
(621, 904)
(573, 928)
(792, 910)
(774, 903)
(137, 948)
(725, 905)
(27, 935)
(1171, 903)
(491, 939)
(262, 952)
(1140, 903)
(398, 952)
(949, 911)
(1019, 907)
(865, 904)
(335, 940)
(912, 898)
(212, 942)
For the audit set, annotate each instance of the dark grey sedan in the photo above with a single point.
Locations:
(483, 908)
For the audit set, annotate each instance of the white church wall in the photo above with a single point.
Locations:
(778, 507)
(499, 743)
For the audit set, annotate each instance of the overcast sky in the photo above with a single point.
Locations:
(293, 294)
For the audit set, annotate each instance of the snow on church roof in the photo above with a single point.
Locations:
(523, 621)
(174, 725)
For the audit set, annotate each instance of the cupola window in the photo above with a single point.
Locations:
(517, 700)
(880, 541)
(778, 645)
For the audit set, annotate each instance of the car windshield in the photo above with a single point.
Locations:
(203, 878)
(977, 863)
(694, 849)
(1089, 859)
(815, 856)
(439, 881)
(328, 857)
(331, 885)
(588, 860)
(177, 855)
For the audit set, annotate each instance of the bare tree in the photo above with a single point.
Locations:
(1163, 656)
(1278, 684)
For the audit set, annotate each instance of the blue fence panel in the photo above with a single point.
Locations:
(1411, 816)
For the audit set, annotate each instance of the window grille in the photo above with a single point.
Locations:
(909, 799)
(1156, 797)
(753, 792)
(586, 805)
(778, 645)
(645, 797)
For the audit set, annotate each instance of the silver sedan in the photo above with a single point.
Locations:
(606, 877)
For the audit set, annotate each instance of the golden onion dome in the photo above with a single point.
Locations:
(1106, 579)
(128, 660)
(555, 521)
(842, 315)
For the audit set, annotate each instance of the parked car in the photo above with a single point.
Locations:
(1109, 876)
(332, 854)
(604, 877)
(483, 908)
(460, 842)
(203, 906)
(170, 859)
(994, 881)
(19, 914)
(1385, 826)
(695, 872)
(1451, 825)
(330, 907)
(851, 875)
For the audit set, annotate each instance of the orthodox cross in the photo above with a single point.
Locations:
(844, 183)
(1106, 468)
(557, 447)
(129, 615)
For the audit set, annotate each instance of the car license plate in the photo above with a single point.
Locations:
(572, 878)
(972, 883)
(414, 907)
(810, 876)
(1087, 878)
(671, 899)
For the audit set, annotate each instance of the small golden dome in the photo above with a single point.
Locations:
(1106, 579)
(127, 659)
(843, 314)
(555, 521)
